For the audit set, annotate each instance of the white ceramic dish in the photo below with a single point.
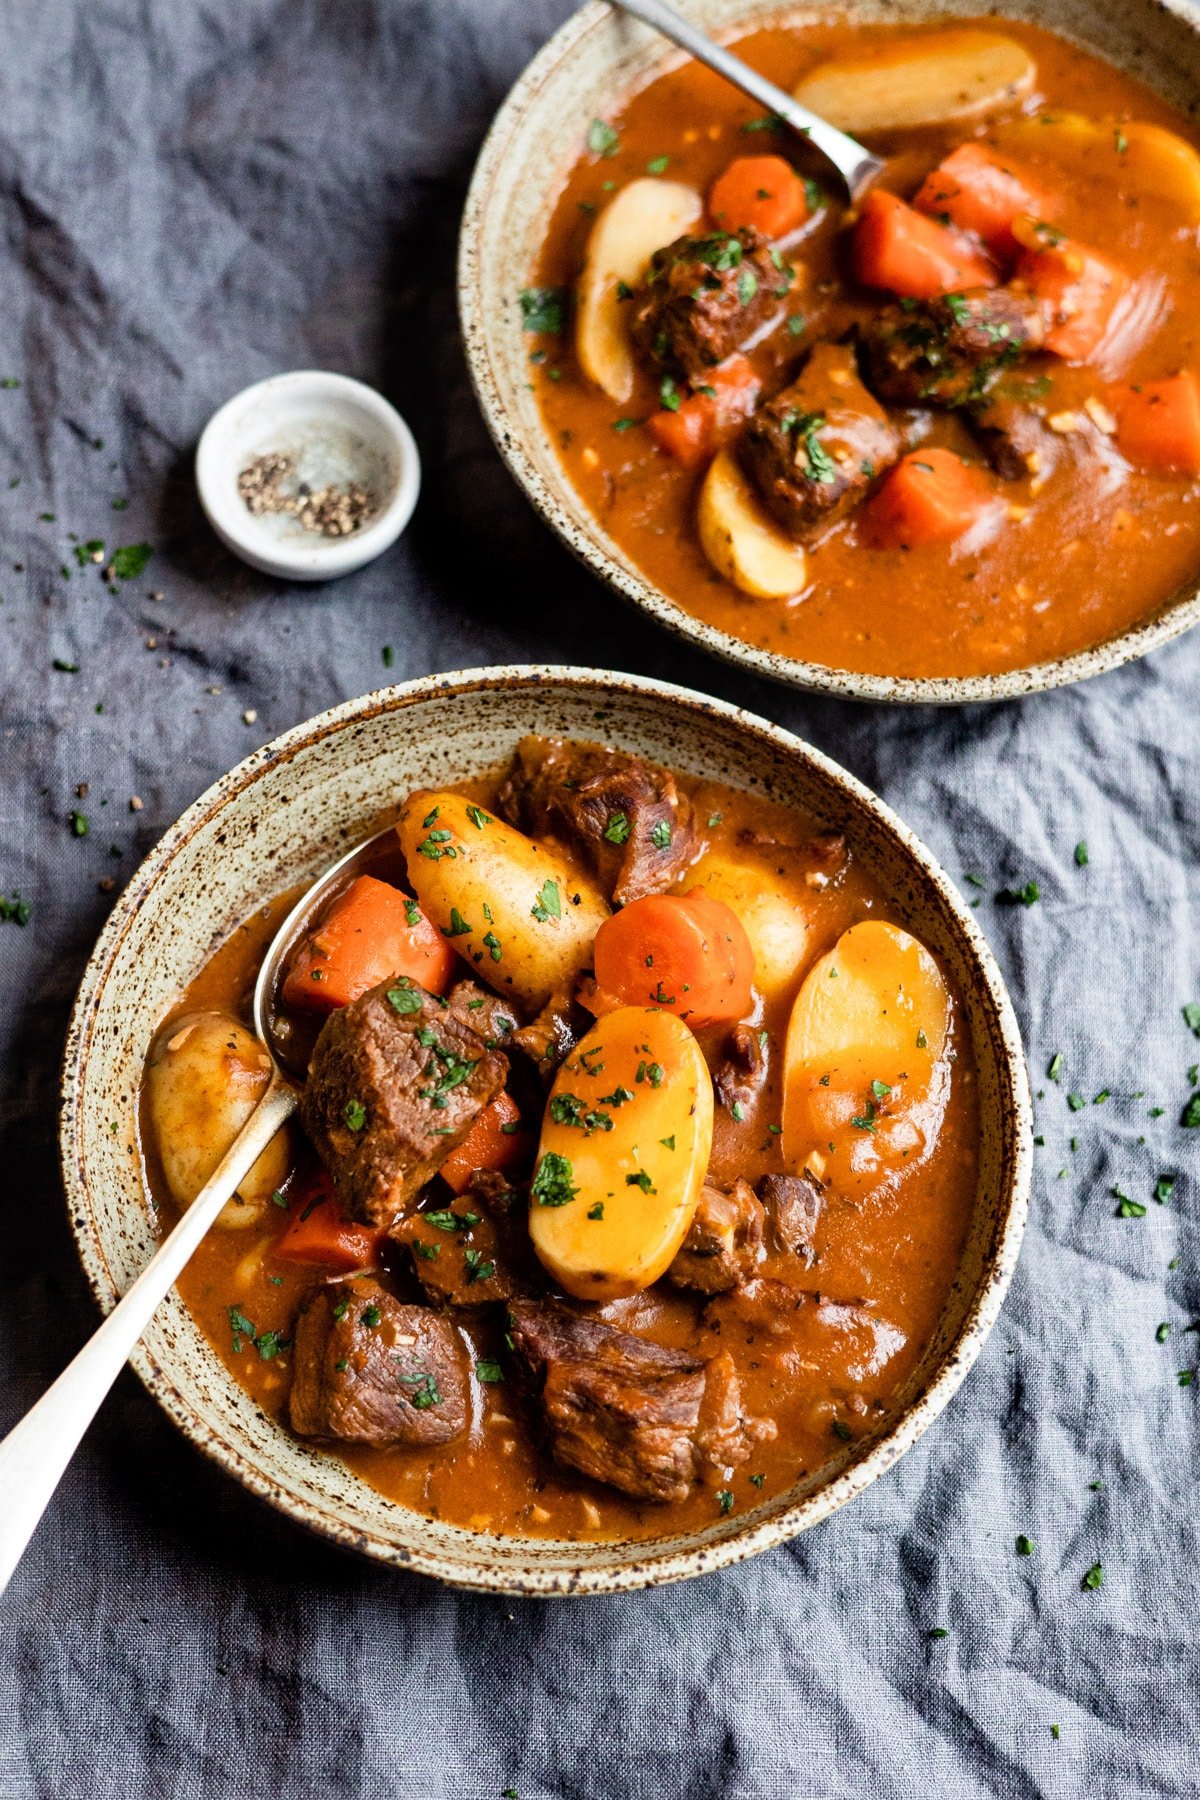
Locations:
(336, 430)
(598, 58)
(281, 817)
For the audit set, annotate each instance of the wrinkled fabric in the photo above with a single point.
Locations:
(196, 194)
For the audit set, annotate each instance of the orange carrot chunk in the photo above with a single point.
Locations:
(930, 496)
(686, 953)
(1158, 424)
(759, 193)
(916, 257)
(493, 1142)
(1078, 288)
(976, 190)
(371, 932)
(321, 1233)
(694, 431)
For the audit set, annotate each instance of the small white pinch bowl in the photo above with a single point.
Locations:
(337, 430)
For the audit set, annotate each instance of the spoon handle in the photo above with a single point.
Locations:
(36, 1451)
(857, 167)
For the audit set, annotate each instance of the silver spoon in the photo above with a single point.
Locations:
(36, 1452)
(856, 166)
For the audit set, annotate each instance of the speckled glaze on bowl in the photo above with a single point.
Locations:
(280, 817)
(596, 59)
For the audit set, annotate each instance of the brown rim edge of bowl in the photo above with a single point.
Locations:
(941, 1382)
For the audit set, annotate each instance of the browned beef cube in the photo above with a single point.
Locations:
(762, 1309)
(948, 351)
(706, 297)
(627, 1412)
(813, 451)
(394, 1085)
(463, 1255)
(724, 1242)
(740, 1068)
(820, 857)
(1017, 439)
(549, 1039)
(369, 1370)
(496, 1194)
(794, 1204)
(486, 1014)
(624, 818)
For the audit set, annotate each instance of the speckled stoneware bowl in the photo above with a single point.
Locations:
(596, 59)
(278, 819)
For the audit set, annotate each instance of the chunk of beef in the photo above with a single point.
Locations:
(820, 857)
(487, 1015)
(628, 1412)
(740, 1067)
(813, 451)
(1017, 439)
(550, 1038)
(463, 1255)
(762, 1309)
(948, 351)
(724, 1242)
(794, 1204)
(391, 1092)
(496, 1193)
(369, 1370)
(706, 297)
(624, 818)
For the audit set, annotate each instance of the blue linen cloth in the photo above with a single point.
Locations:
(195, 195)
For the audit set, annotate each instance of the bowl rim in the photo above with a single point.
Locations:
(652, 1568)
(478, 328)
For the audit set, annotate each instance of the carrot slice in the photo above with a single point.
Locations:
(1079, 289)
(370, 932)
(1158, 424)
(493, 1142)
(977, 191)
(694, 431)
(897, 248)
(930, 496)
(686, 953)
(759, 193)
(321, 1233)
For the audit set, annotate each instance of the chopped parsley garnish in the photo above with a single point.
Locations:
(617, 829)
(242, 1327)
(669, 394)
(1127, 1208)
(724, 1501)
(436, 845)
(768, 122)
(478, 817)
(491, 944)
(597, 1211)
(603, 139)
(458, 926)
(660, 835)
(445, 1220)
(1190, 1116)
(370, 1316)
(430, 1252)
(1024, 1545)
(1055, 1066)
(1081, 855)
(625, 424)
(355, 1114)
(641, 1180)
(477, 1269)
(488, 1371)
(1094, 1577)
(79, 824)
(738, 1111)
(865, 1121)
(129, 561)
(618, 1097)
(412, 913)
(548, 904)
(425, 1390)
(1076, 1102)
(387, 656)
(543, 308)
(747, 286)
(1023, 896)
(1164, 1187)
(552, 1180)
(404, 998)
(1191, 1016)
(15, 911)
(1163, 1333)
(880, 1090)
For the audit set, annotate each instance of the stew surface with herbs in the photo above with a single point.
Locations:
(636, 1151)
(953, 430)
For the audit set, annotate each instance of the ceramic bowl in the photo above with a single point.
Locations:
(283, 815)
(601, 55)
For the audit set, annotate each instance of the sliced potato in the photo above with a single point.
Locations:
(642, 218)
(955, 74)
(1136, 158)
(514, 909)
(863, 1065)
(779, 931)
(623, 1154)
(205, 1075)
(740, 541)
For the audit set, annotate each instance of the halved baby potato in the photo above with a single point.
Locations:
(863, 1059)
(644, 217)
(1136, 156)
(205, 1075)
(514, 909)
(955, 74)
(779, 931)
(623, 1154)
(740, 541)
